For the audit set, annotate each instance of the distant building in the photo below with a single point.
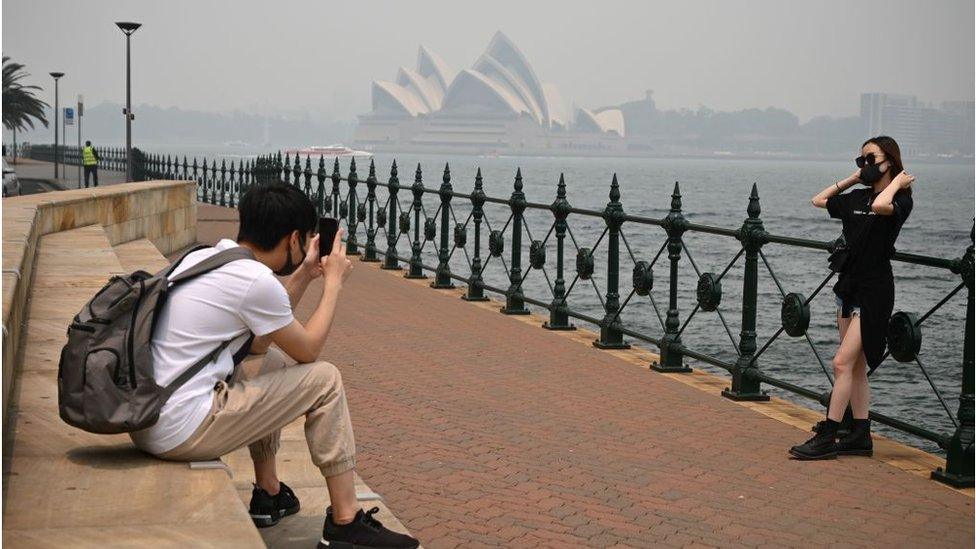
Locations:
(497, 106)
(919, 129)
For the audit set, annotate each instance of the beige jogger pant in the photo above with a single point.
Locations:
(266, 394)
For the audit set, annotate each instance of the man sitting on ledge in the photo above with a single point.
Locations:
(225, 407)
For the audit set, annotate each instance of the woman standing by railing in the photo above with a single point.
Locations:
(865, 291)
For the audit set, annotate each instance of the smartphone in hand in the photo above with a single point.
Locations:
(328, 227)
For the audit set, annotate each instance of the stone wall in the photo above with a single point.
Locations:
(163, 212)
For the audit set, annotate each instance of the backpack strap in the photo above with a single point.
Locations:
(213, 262)
(172, 267)
(197, 367)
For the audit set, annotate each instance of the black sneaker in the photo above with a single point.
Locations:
(858, 441)
(823, 445)
(363, 532)
(266, 510)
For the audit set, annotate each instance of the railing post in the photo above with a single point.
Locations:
(197, 179)
(558, 316)
(476, 290)
(352, 221)
(392, 226)
(752, 235)
(336, 181)
(308, 176)
(369, 255)
(416, 264)
(230, 184)
(442, 280)
(213, 182)
(223, 182)
(514, 305)
(205, 181)
(958, 471)
(671, 359)
(241, 181)
(611, 337)
(320, 193)
(297, 172)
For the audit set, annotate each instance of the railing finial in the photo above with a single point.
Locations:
(754, 209)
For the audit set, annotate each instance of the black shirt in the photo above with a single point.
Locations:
(868, 282)
(870, 236)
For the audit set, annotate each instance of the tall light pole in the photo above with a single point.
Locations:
(128, 28)
(56, 76)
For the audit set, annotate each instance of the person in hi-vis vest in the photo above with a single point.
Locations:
(89, 159)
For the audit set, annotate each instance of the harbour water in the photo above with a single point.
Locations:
(715, 192)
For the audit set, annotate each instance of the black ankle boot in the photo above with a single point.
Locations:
(858, 441)
(822, 446)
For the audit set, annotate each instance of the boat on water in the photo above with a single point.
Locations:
(338, 150)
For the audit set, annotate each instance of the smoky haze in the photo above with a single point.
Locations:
(317, 59)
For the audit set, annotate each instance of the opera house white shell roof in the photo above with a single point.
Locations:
(606, 120)
(500, 83)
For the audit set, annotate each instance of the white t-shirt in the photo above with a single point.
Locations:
(200, 314)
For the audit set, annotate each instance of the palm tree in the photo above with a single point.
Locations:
(20, 107)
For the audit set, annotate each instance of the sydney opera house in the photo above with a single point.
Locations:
(498, 106)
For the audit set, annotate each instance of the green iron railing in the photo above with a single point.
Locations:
(220, 185)
(109, 158)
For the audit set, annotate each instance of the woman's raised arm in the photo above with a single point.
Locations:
(820, 201)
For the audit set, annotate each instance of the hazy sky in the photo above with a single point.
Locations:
(812, 57)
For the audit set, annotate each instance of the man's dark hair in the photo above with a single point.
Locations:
(88, 143)
(270, 212)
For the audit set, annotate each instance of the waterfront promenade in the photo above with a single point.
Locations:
(38, 176)
(482, 429)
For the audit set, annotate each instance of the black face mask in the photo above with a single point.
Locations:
(291, 267)
(870, 174)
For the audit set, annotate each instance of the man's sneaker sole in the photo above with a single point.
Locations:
(805, 457)
(266, 521)
(327, 544)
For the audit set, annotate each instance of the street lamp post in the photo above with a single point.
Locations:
(56, 76)
(128, 28)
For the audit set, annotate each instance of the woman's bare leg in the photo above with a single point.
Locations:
(860, 391)
(848, 354)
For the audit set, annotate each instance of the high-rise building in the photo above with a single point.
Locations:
(919, 129)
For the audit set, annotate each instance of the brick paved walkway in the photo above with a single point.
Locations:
(480, 430)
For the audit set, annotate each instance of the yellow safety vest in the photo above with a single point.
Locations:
(88, 156)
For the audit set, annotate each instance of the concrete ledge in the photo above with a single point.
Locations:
(164, 212)
(65, 486)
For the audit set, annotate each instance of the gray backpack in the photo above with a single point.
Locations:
(105, 375)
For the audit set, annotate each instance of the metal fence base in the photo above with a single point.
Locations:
(954, 480)
(683, 369)
(610, 345)
(761, 396)
(564, 327)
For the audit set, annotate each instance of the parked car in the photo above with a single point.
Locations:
(11, 185)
